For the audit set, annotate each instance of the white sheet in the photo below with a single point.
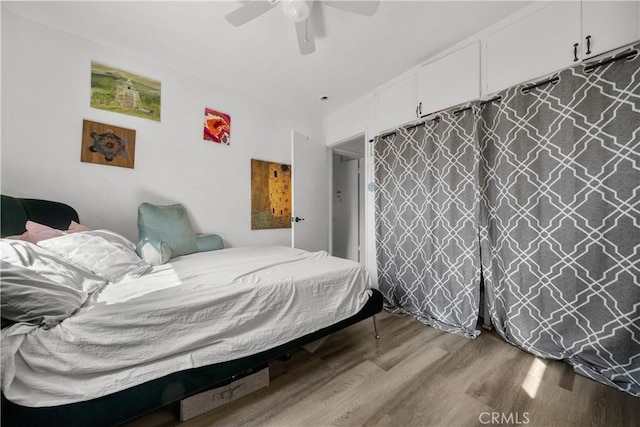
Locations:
(197, 310)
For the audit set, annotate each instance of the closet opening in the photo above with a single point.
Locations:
(347, 199)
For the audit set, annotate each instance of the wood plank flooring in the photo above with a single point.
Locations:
(415, 375)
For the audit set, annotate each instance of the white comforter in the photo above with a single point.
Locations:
(197, 310)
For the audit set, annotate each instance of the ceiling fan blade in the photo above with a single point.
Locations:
(306, 40)
(249, 11)
(365, 7)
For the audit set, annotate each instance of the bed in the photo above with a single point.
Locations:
(150, 339)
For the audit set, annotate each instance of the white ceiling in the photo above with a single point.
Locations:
(354, 54)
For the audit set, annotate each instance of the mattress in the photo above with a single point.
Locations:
(198, 310)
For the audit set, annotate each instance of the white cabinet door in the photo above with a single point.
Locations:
(396, 104)
(450, 80)
(534, 46)
(607, 25)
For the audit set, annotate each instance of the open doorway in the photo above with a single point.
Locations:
(348, 199)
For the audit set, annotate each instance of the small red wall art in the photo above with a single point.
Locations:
(217, 126)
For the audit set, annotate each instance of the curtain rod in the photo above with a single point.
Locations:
(415, 126)
(388, 134)
(431, 114)
(488, 101)
(629, 55)
(462, 110)
(552, 80)
(587, 69)
(482, 103)
(422, 123)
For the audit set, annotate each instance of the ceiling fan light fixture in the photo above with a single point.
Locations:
(297, 10)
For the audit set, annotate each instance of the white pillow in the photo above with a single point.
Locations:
(49, 265)
(104, 252)
(40, 287)
(32, 298)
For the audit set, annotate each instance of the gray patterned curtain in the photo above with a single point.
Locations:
(427, 207)
(560, 226)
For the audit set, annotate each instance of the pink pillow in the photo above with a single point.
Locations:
(74, 227)
(36, 232)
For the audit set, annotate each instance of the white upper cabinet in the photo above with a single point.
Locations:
(450, 80)
(546, 38)
(536, 45)
(556, 36)
(397, 103)
(607, 25)
(444, 83)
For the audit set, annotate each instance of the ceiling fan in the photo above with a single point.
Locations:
(298, 11)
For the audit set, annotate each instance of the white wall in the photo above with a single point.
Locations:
(349, 121)
(45, 97)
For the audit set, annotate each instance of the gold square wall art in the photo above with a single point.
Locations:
(108, 145)
(124, 92)
(270, 195)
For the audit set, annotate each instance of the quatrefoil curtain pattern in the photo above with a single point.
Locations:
(427, 204)
(560, 234)
(558, 221)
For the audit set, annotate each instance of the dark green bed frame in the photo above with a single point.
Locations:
(133, 402)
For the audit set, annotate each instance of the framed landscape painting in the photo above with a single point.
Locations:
(123, 92)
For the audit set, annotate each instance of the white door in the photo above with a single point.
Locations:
(310, 226)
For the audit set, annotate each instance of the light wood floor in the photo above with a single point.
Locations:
(415, 375)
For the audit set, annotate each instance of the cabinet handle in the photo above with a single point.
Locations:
(588, 52)
(420, 108)
(575, 52)
(417, 114)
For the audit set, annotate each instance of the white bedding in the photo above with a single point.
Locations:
(198, 310)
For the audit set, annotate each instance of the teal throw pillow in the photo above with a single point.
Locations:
(153, 251)
(168, 224)
(165, 232)
(208, 242)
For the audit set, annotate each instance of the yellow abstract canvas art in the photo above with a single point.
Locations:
(270, 195)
